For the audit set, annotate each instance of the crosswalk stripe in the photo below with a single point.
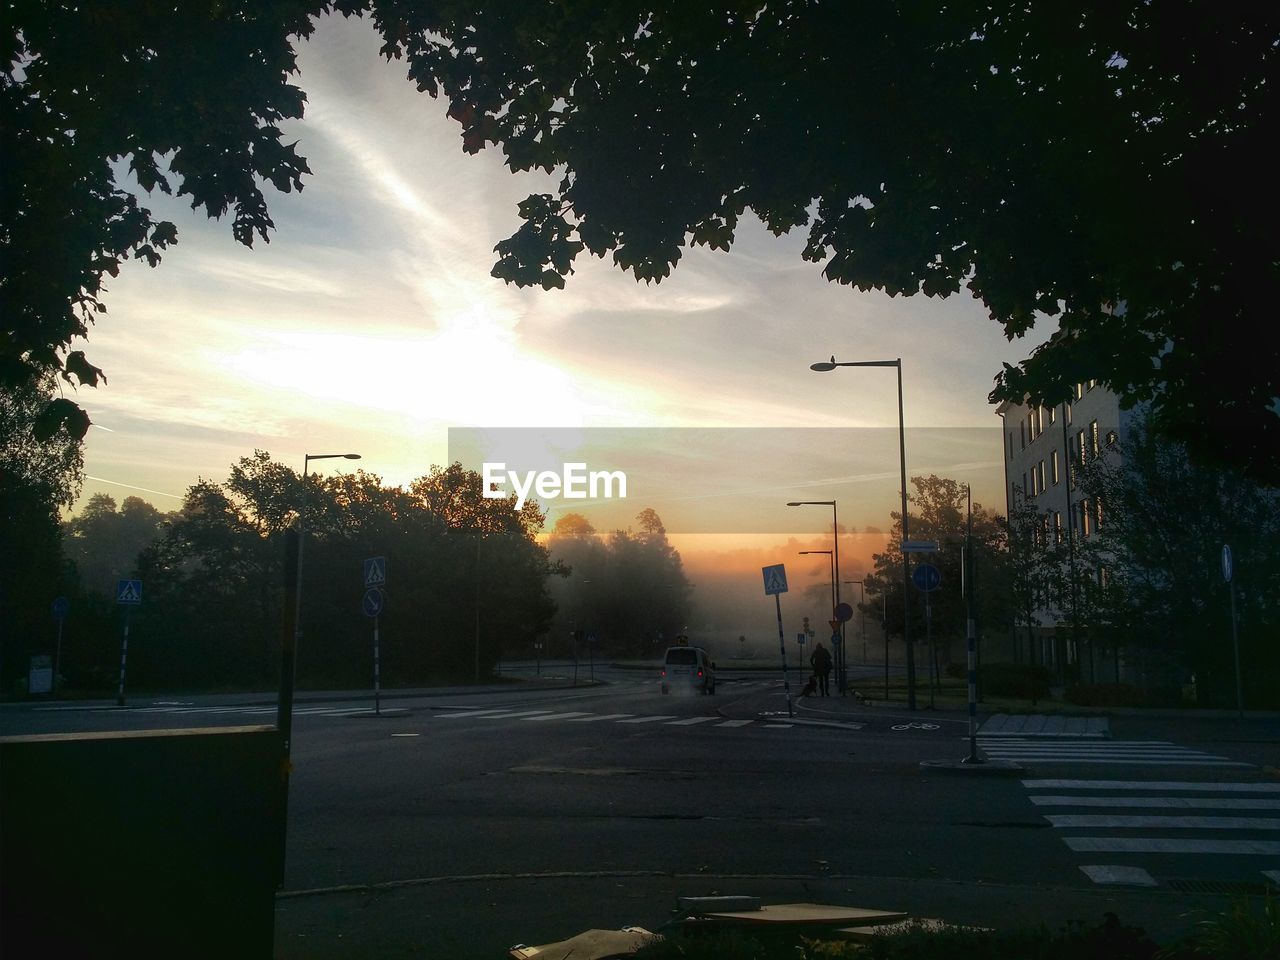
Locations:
(690, 721)
(1182, 803)
(1048, 757)
(1269, 848)
(734, 723)
(1164, 823)
(472, 713)
(654, 719)
(593, 718)
(510, 714)
(1273, 876)
(560, 716)
(1128, 876)
(1187, 786)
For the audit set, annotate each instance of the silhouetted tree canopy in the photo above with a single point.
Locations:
(1108, 164)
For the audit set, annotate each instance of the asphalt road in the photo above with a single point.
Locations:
(459, 823)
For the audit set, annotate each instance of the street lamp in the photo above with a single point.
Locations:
(285, 708)
(823, 367)
(835, 578)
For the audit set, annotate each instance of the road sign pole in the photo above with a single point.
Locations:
(933, 657)
(124, 656)
(377, 679)
(57, 659)
(1235, 644)
(782, 646)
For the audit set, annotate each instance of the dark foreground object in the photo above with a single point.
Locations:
(158, 843)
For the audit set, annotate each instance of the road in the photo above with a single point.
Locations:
(459, 823)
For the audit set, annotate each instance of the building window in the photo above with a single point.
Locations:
(1053, 416)
(1084, 518)
(1104, 577)
(1053, 467)
(1097, 512)
(1080, 447)
(1057, 527)
(1022, 429)
(1112, 438)
(1040, 476)
(1044, 531)
(1079, 391)
(1093, 437)
(1091, 384)
(1066, 414)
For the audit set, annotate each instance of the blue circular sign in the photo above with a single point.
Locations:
(926, 577)
(61, 607)
(372, 602)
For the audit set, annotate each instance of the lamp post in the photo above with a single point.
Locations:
(823, 367)
(835, 577)
(284, 717)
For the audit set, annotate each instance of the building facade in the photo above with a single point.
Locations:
(1043, 448)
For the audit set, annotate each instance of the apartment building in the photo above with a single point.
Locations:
(1041, 445)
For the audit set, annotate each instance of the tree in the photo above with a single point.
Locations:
(104, 543)
(1152, 569)
(1105, 165)
(940, 514)
(37, 477)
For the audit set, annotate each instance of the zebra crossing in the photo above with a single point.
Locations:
(1196, 823)
(249, 711)
(576, 716)
(1129, 753)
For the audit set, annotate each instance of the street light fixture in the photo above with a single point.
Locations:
(824, 366)
(841, 681)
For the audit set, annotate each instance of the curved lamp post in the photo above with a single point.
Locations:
(823, 367)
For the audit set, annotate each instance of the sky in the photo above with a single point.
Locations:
(370, 324)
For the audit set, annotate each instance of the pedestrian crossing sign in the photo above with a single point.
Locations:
(375, 572)
(775, 580)
(129, 591)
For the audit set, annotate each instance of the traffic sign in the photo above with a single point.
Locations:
(800, 638)
(375, 571)
(129, 591)
(844, 613)
(926, 577)
(1226, 563)
(775, 579)
(373, 602)
(919, 546)
(61, 607)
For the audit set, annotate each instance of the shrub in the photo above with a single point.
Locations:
(1024, 680)
(1104, 695)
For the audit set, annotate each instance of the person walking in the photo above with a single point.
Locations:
(820, 660)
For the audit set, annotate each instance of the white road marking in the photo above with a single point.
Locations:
(779, 726)
(735, 723)
(1273, 876)
(1188, 786)
(1128, 876)
(690, 721)
(561, 716)
(593, 718)
(1268, 848)
(1165, 823)
(1182, 803)
(649, 719)
(466, 712)
(509, 715)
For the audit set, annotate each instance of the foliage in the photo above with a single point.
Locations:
(1107, 166)
(938, 512)
(465, 578)
(1159, 547)
(1249, 930)
(1104, 695)
(628, 588)
(1026, 681)
(36, 478)
(104, 543)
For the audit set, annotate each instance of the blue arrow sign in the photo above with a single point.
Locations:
(775, 579)
(375, 571)
(61, 607)
(129, 591)
(372, 602)
(926, 577)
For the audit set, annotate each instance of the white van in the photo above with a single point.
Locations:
(688, 668)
